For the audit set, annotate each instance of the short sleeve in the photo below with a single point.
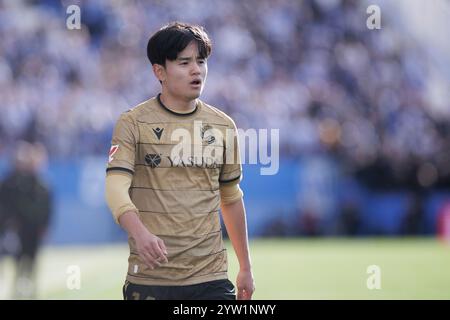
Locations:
(231, 171)
(123, 145)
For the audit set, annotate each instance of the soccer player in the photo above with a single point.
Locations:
(172, 165)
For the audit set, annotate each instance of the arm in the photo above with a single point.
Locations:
(233, 214)
(149, 247)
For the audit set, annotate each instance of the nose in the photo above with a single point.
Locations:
(195, 69)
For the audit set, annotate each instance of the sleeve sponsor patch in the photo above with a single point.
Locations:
(112, 151)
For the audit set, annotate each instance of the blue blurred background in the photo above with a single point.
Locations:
(364, 115)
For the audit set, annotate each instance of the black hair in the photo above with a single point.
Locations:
(173, 38)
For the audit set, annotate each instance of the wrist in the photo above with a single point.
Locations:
(138, 231)
(131, 222)
(245, 268)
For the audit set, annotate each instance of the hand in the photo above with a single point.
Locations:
(151, 249)
(245, 285)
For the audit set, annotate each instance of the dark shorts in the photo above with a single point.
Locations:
(212, 290)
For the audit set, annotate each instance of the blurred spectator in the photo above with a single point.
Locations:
(25, 204)
(350, 218)
(414, 219)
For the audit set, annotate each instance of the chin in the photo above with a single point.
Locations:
(194, 95)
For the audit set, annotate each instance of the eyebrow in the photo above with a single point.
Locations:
(188, 58)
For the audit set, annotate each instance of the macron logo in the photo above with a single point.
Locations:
(158, 132)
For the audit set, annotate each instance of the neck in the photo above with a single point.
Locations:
(177, 104)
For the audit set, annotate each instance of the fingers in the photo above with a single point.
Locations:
(162, 246)
(149, 260)
(240, 294)
(154, 253)
(244, 294)
(159, 252)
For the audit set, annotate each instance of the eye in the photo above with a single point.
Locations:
(201, 61)
(184, 63)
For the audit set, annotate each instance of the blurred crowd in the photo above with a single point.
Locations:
(310, 68)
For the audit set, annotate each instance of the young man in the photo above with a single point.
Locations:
(174, 156)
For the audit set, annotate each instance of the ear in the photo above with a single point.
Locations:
(159, 71)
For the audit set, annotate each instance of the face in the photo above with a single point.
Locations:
(184, 77)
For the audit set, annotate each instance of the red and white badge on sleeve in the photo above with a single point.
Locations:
(112, 151)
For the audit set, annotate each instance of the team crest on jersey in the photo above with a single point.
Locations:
(206, 136)
(112, 151)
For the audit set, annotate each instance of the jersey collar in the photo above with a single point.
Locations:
(173, 112)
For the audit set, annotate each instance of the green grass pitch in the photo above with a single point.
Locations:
(330, 268)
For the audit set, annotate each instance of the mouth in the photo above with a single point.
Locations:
(196, 83)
